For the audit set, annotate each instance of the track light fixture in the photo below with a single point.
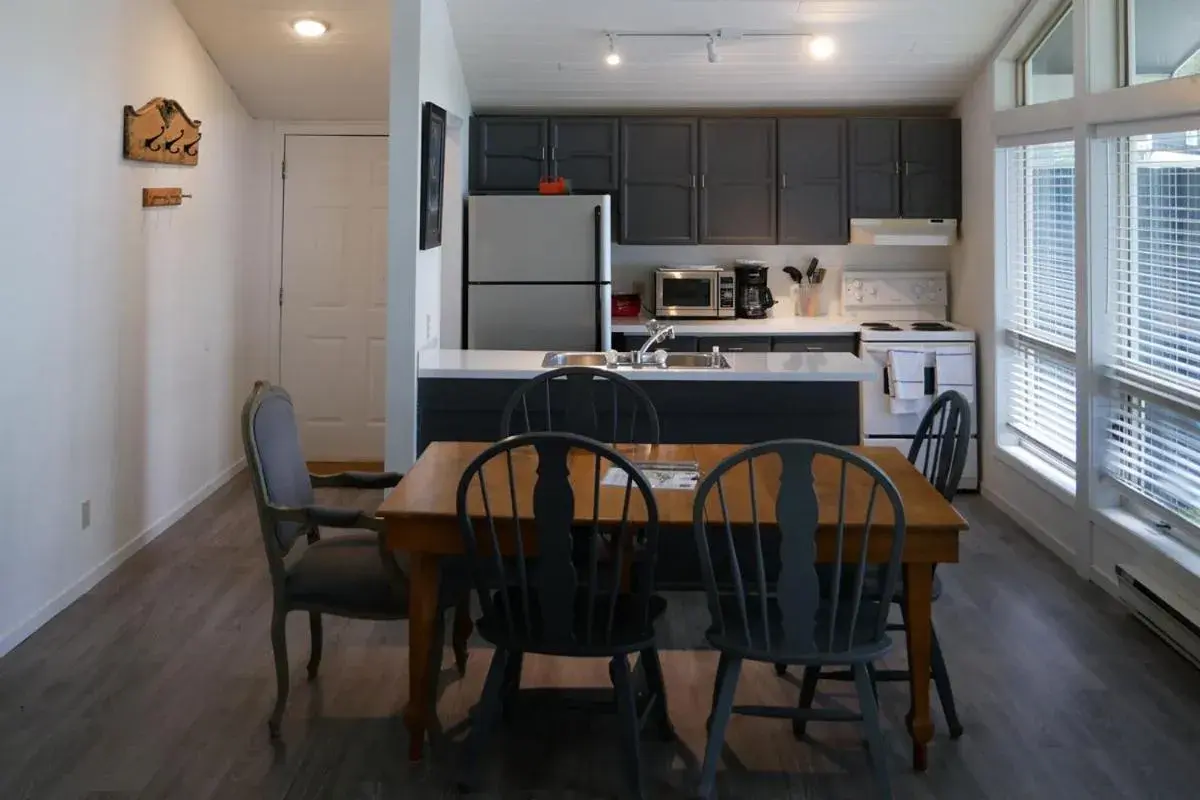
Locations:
(713, 55)
(613, 59)
(819, 47)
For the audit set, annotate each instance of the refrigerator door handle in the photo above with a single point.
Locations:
(597, 220)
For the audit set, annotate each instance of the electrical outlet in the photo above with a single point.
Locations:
(85, 514)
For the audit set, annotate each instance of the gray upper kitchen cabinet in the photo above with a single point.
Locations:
(813, 206)
(509, 153)
(905, 168)
(658, 180)
(737, 181)
(874, 168)
(930, 154)
(584, 150)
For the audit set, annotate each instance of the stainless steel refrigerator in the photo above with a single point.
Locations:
(539, 273)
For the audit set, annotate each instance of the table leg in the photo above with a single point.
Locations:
(918, 591)
(422, 618)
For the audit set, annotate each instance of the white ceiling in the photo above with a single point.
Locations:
(343, 76)
(549, 53)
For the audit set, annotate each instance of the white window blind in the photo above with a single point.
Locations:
(1154, 313)
(1041, 300)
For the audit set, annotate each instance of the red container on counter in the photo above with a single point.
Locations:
(626, 304)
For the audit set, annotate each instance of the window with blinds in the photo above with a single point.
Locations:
(1154, 319)
(1041, 300)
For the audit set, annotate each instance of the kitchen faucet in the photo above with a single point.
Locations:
(658, 333)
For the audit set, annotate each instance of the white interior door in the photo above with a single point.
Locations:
(334, 312)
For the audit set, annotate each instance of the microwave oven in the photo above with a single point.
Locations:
(694, 292)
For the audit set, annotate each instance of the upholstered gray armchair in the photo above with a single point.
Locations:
(347, 575)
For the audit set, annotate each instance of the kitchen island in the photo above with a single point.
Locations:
(761, 396)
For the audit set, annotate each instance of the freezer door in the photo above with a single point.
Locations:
(544, 318)
(535, 238)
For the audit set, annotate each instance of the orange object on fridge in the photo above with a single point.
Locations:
(554, 186)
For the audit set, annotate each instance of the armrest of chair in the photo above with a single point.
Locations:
(356, 480)
(324, 516)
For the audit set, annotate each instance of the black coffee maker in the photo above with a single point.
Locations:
(753, 296)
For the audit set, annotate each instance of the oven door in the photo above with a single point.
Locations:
(684, 293)
(878, 421)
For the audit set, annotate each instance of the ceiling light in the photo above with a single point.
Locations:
(613, 59)
(310, 28)
(713, 55)
(822, 47)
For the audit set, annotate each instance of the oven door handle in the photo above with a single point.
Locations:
(930, 382)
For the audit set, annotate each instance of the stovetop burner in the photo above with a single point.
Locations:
(931, 326)
(880, 326)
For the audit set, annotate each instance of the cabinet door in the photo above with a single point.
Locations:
(584, 150)
(931, 152)
(874, 168)
(680, 344)
(658, 181)
(737, 181)
(812, 182)
(510, 153)
(815, 344)
(735, 344)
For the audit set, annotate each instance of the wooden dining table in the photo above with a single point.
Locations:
(421, 519)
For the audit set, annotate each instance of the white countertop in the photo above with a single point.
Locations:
(780, 325)
(525, 364)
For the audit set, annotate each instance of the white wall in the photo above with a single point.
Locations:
(977, 277)
(128, 334)
(425, 68)
(635, 263)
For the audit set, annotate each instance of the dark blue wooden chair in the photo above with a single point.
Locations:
(523, 505)
(799, 615)
(939, 450)
(597, 403)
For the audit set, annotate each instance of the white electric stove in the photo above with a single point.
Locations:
(907, 311)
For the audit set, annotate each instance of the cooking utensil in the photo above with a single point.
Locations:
(795, 274)
(819, 277)
(812, 269)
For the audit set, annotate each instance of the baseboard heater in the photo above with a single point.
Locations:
(1165, 612)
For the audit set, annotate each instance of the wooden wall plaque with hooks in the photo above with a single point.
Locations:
(159, 198)
(163, 133)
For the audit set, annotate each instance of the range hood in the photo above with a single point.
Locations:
(904, 232)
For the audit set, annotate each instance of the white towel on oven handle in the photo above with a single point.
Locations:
(906, 382)
(952, 370)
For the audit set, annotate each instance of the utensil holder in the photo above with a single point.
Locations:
(810, 300)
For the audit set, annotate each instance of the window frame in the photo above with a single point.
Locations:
(1115, 382)
(1024, 61)
(1127, 48)
(1017, 341)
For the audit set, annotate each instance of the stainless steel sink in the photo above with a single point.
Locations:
(575, 360)
(625, 361)
(696, 361)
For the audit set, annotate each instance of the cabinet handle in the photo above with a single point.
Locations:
(905, 167)
(553, 153)
(897, 167)
(702, 181)
(783, 180)
(692, 181)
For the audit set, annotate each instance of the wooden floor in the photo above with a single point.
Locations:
(158, 683)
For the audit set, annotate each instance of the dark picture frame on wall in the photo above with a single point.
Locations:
(433, 165)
